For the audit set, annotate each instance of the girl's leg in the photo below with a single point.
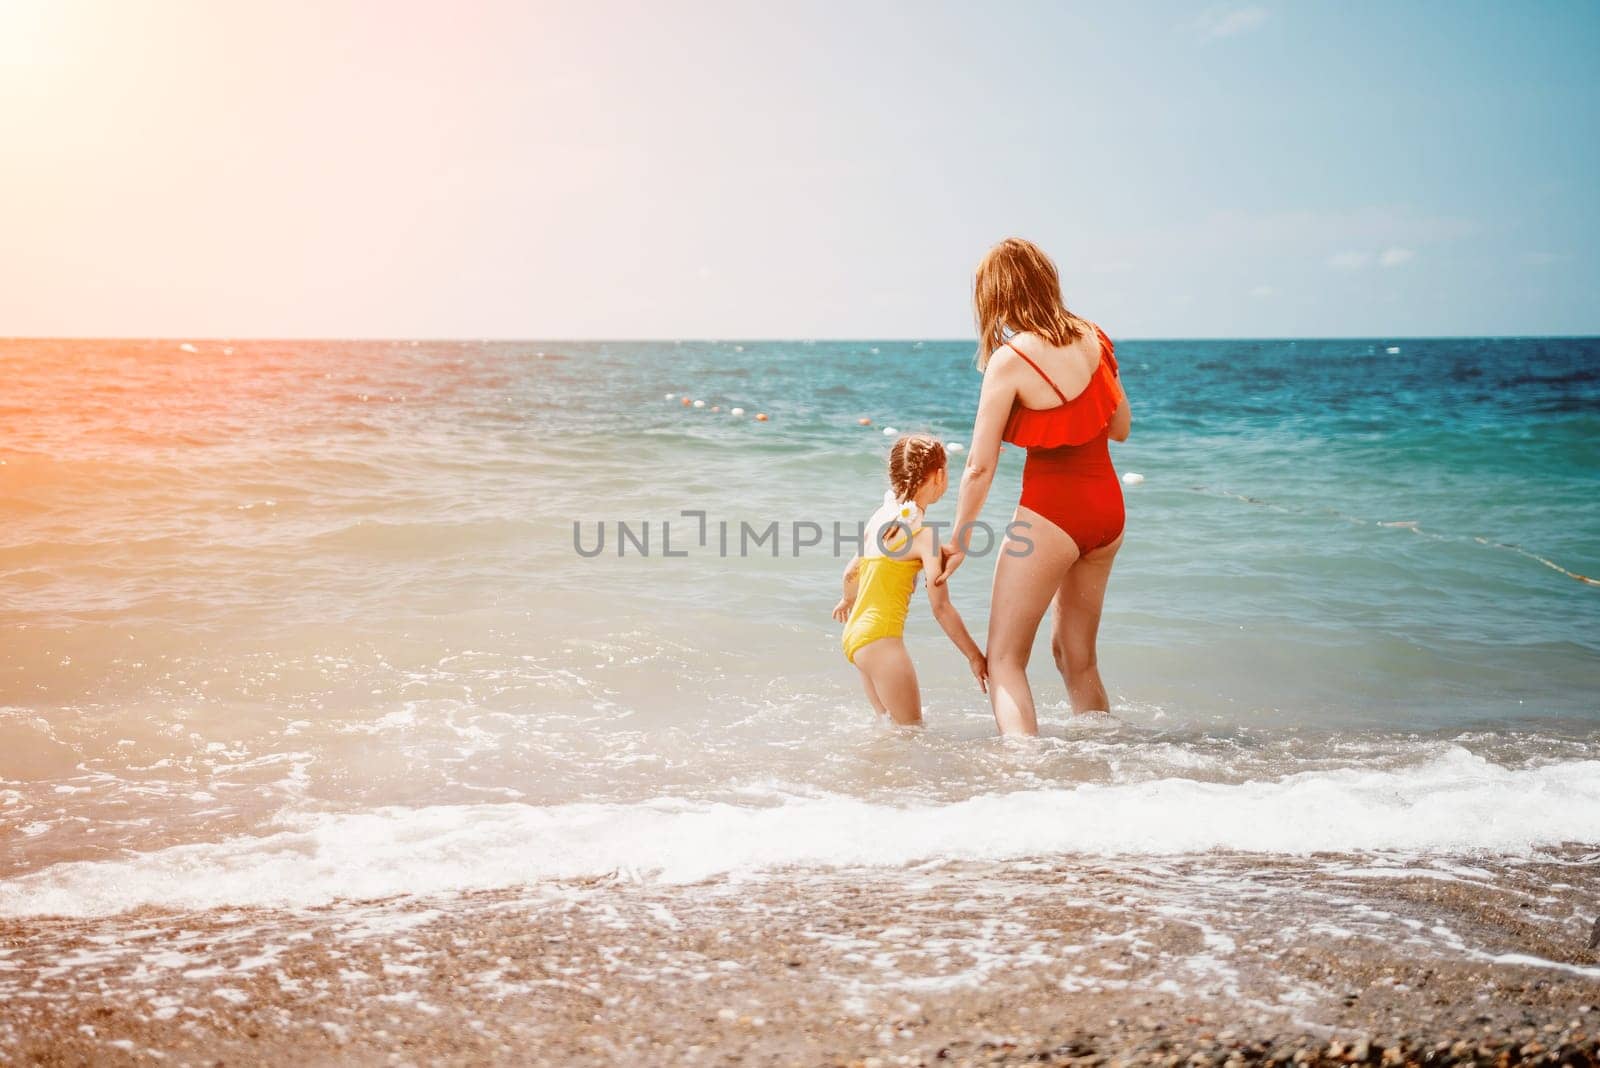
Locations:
(1075, 628)
(1023, 586)
(872, 693)
(889, 677)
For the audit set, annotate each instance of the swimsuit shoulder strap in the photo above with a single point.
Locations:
(1038, 370)
(897, 545)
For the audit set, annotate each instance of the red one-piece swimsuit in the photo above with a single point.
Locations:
(1068, 478)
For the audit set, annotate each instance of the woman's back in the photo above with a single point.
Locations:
(1069, 367)
(1065, 418)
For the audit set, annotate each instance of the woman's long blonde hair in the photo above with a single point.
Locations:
(1017, 286)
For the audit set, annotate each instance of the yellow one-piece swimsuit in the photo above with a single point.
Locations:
(883, 596)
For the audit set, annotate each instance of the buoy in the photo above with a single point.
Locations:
(186, 347)
(699, 404)
(686, 402)
(889, 431)
(1133, 478)
(672, 396)
(863, 421)
(761, 417)
(735, 411)
(716, 407)
(954, 446)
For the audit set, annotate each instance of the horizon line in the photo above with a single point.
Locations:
(182, 338)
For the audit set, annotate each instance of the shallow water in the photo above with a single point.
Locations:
(290, 621)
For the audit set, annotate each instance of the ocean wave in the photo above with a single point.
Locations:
(1456, 803)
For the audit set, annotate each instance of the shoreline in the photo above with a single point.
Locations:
(1229, 959)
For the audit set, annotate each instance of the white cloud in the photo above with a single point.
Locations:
(1348, 261)
(1225, 22)
(1393, 256)
(1262, 291)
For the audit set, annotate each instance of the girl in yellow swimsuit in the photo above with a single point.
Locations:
(879, 581)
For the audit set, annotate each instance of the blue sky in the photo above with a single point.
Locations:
(764, 170)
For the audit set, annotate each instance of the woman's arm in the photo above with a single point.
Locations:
(1121, 421)
(944, 611)
(994, 407)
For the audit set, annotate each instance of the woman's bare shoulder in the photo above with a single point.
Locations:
(1004, 360)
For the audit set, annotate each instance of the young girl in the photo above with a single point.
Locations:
(879, 580)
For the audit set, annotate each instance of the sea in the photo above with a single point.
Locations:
(290, 624)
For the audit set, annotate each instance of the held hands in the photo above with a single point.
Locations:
(951, 557)
(980, 671)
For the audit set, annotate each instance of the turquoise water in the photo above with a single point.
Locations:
(330, 590)
(1326, 529)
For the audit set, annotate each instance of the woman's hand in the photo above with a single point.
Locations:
(951, 557)
(980, 671)
(841, 611)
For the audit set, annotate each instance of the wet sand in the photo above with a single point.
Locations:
(1219, 959)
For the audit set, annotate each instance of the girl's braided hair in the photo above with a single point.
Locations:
(912, 459)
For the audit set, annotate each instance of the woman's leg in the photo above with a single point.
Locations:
(890, 680)
(1023, 586)
(1075, 628)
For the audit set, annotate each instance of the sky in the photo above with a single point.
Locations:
(760, 169)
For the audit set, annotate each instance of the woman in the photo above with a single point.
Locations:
(1050, 385)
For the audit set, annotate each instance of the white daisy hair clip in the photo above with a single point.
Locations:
(900, 511)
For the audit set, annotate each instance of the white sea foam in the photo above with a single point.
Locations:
(1456, 803)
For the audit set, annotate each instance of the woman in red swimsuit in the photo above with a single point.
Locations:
(1050, 385)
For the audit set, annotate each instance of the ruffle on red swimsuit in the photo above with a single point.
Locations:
(1068, 478)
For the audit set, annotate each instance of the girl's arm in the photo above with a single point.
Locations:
(852, 572)
(994, 407)
(945, 612)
